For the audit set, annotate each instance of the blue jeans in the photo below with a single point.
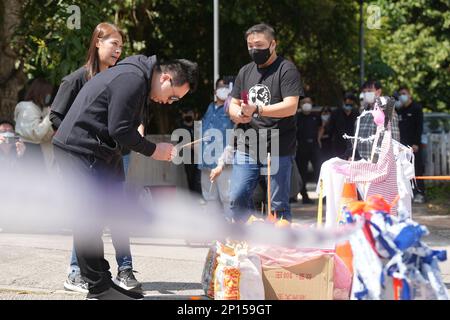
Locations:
(244, 180)
(121, 243)
(126, 163)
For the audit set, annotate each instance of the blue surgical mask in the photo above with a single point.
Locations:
(404, 99)
(348, 107)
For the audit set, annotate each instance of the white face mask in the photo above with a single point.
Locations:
(369, 97)
(307, 107)
(325, 117)
(223, 93)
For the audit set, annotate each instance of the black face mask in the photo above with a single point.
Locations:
(260, 56)
(188, 119)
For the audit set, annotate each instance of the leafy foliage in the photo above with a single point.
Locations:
(413, 48)
(321, 37)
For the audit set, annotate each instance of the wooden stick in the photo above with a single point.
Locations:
(269, 206)
(320, 207)
(193, 142)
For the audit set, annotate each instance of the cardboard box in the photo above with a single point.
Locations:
(309, 279)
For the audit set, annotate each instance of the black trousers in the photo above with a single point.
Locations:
(307, 152)
(99, 187)
(419, 168)
(193, 176)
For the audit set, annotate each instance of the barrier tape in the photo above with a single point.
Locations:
(433, 178)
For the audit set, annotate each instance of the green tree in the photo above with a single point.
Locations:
(413, 48)
(320, 37)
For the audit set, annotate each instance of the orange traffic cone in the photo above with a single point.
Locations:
(349, 194)
(344, 250)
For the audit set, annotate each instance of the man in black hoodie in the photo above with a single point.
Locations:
(104, 118)
(410, 122)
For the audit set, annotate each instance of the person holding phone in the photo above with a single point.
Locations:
(11, 147)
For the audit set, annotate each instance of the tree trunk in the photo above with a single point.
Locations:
(12, 80)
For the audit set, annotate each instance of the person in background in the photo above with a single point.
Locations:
(324, 140)
(11, 148)
(193, 175)
(215, 172)
(410, 122)
(308, 125)
(33, 124)
(342, 121)
(372, 90)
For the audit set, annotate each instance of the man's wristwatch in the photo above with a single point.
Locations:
(257, 112)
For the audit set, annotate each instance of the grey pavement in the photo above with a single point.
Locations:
(34, 266)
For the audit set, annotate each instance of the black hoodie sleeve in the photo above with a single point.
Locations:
(127, 94)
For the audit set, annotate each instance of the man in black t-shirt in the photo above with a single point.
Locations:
(264, 102)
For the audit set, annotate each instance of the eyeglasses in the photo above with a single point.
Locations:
(173, 98)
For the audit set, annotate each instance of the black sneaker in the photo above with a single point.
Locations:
(126, 280)
(419, 198)
(114, 293)
(75, 282)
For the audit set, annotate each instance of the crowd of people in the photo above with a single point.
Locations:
(96, 119)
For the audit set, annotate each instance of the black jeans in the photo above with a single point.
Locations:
(104, 182)
(419, 168)
(307, 152)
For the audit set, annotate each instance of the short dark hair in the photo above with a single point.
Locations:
(371, 83)
(183, 71)
(325, 109)
(4, 121)
(350, 96)
(226, 80)
(403, 87)
(218, 80)
(261, 28)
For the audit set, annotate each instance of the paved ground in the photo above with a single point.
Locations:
(33, 266)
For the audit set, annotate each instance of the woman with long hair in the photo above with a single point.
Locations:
(104, 52)
(33, 124)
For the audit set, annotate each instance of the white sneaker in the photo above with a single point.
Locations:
(76, 284)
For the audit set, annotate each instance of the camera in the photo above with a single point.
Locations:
(10, 137)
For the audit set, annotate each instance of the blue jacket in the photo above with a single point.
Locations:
(214, 119)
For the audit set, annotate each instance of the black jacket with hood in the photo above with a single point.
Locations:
(107, 112)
